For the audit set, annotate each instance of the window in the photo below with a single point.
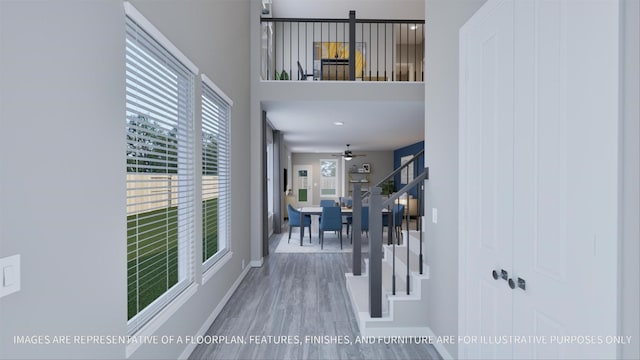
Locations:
(160, 170)
(328, 177)
(216, 117)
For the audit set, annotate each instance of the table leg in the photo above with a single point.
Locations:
(301, 227)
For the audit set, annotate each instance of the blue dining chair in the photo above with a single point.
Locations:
(398, 213)
(294, 220)
(323, 204)
(331, 220)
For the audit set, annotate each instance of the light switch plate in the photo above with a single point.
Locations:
(10, 273)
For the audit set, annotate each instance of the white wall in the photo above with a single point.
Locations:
(443, 19)
(381, 165)
(62, 181)
(630, 196)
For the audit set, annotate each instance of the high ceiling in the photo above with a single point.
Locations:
(309, 126)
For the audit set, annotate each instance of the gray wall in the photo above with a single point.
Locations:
(62, 181)
(381, 165)
(630, 196)
(443, 19)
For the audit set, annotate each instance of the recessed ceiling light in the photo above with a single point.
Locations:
(338, 123)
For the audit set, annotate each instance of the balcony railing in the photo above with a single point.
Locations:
(320, 49)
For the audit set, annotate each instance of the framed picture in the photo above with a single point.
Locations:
(366, 168)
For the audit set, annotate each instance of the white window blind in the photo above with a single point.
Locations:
(216, 167)
(160, 173)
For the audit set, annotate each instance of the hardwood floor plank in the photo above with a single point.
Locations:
(303, 296)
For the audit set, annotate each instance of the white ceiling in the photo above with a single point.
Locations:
(308, 126)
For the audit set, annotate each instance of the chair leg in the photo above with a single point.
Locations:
(340, 235)
(309, 234)
(321, 239)
(290, 227)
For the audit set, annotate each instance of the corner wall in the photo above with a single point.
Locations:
(62, 181)
(629, 317)
(443, 20)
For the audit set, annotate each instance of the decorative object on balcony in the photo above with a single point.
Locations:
(333, 59)
(282, 76)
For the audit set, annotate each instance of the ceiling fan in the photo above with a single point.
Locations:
(348, 154)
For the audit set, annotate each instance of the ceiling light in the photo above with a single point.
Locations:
(338, 123)
(348, 157)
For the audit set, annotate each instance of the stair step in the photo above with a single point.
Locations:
(358, 287)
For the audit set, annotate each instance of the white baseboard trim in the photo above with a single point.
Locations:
(442, 350)
(257, 263)
(207, 323)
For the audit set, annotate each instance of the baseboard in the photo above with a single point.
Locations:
(207, 323)
(257, 263)
(442, 350)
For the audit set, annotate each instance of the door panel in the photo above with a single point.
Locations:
(487, 165)
(555, 200)
(538, 178)
(302, 184)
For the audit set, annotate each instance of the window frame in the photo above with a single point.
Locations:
(138, 26)
(225, 194)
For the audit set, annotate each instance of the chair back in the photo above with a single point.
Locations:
(365, 218)
(326, 203)
(398, 213)
(347, 201)
(331, 219)
(294, 216)
(301, 74)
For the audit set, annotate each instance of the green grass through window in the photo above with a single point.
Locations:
(152, 252)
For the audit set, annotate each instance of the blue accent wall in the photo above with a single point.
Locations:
(418, 168)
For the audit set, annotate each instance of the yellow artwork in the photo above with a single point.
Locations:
(340, 50)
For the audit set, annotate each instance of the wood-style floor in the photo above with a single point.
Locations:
(297, 295)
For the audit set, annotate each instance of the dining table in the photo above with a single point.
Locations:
(317, 210)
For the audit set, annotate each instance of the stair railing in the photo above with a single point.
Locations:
(376, 204)
(359, 197)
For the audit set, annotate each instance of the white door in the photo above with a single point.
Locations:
(560, 199)
(487, 162)
(566, 171)
(303, 185)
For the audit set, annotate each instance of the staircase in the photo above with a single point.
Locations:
(402, 314)
(389, 296)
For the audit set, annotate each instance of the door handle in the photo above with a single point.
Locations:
(495, 275)
(503, 274)
(522, 284)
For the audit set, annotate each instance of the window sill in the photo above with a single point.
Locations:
(209, 273)
(165, 314)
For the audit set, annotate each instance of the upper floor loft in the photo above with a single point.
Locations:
(341, 49)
